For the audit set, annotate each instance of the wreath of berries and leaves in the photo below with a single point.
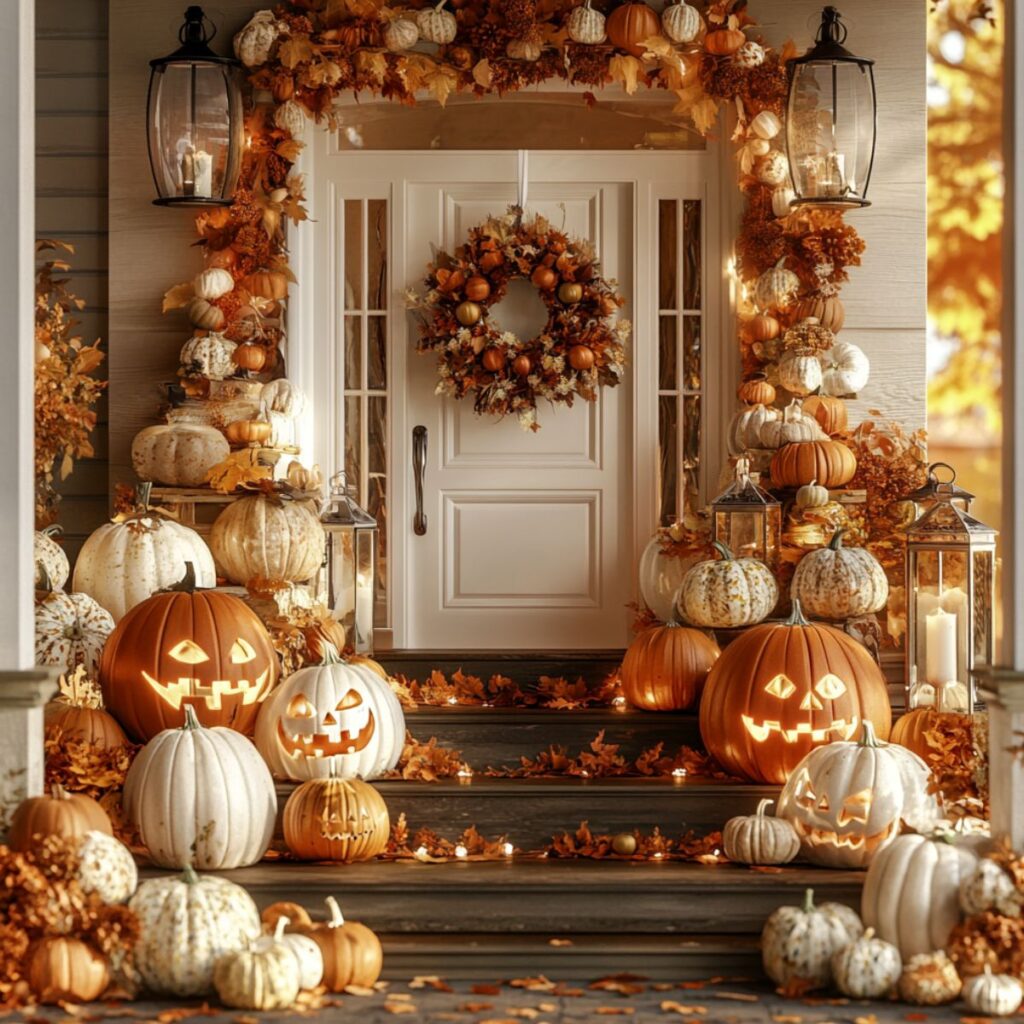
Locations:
(580, 348)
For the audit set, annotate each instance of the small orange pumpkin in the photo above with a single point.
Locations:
(764, 327)
(831, 463)
(630, 24)
(477, 289)
(222, 259)
(570, 293)
(910, 729)
(352, 953)
(248, 432)
(829, 412)
(544, 278)
(521, 366)
(665, 667)
(79, 715)
(66, 970)
(581, 357)
(468, 313)
(335, 819)
(250, 357)
(296, 914)
(755, 390)
(69, 815)
(724, 42)
(493, 359)
(267, 284)
(827, 310)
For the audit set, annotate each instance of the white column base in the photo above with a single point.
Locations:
(1003, 692)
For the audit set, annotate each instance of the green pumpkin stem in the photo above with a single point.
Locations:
(337, 919)
(837, 539)
(53, 530)
(191, 721)
(723, 551)
(330, 655)
(808, 901)
(189, 876)
(868, 738)
(796, 616)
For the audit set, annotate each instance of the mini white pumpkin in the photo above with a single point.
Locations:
(760, 838)
(749, 55)
(283, 396)
(106, 867)
(585, 25)
(989, 887)
(868, 968)
(776, 288)
(794, 426)
(727, 592)
(836, 582)
(681, 22)
(178, 454)
(800, 372)
(401, 34)
(524, 49)
(845, 370)
(265, 976)
(201, 796)
(993, 995)
(306, 952)
(187, 924)
(213, 283)
(798, 943)
(782, 197)
(48, 555)
(209, 355)
(747, 426)
(767, 124)
(71, 630)
(290, 117)
(437, 25)
(772, 168)
(812, 495)
(254, 42)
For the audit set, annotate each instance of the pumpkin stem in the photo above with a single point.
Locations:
(796, 616)
(837, 539)
(329, 654)
(53, 530)
(282, 923)
(763, 806)
(186, 585)
(337, 919)
(45, 584)
(723, 551)
(808, 901)
(191, 721)
(867, 735)
(58, 792)
(142, 495)
(189, 876)
(869, 933)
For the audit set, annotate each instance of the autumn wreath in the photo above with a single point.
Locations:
(579, 349)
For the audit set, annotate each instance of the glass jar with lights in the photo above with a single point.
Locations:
(950, 586)
(194, 120)
(351, 563)
(747, 519)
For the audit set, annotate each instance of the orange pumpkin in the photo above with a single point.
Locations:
(544, 278)
(630, 24)
(724, 42)
(764, 327)
(755, 390)
(831, 463)
(296, 914)
(243, 432)
(69, 815)
(78, 713)
(521, 366)
(910, 729)
(222, 259)
(267, 284)
(780, 690)
(327, 630)
(827, 310)
(477, 289)
(829, 412)
(581, 357)
(665, 667)
(493, 359)
(66, 970)
(352, 953)
(185, 646)
(250, 357)
(336, 819)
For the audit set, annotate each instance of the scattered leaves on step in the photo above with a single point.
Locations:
(584, 843)
(560, 942)
(483, 989)
(671, 1006)
(537, 984)
(427, 762)
(472, 1007)
(433, 981)
(428, 847)
(623, 984)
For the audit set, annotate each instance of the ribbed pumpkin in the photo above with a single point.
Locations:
(661, 575)
(665, 667)
(779, 690)
(178, 454)
(829, 412)
(70, 629)
(910, 730)
(264, 976)
(840, 583)
(49, 555)
(630, 24)
(352, 953)
(755, 390)
(77, 711)
(727, 592)
(66, 970)
(336, 819)
(831, 463)
(760, 838)
(58, 813)
(763, 327)
(827, 310)
(794, 426)
(747, 425)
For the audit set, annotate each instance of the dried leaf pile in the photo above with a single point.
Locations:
(463, 689)
(958, 757)
(586, 844)
(426, 846)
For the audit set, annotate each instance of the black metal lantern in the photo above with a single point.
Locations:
(194, 120)
(831, 120)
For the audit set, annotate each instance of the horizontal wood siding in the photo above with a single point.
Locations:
(71, 203)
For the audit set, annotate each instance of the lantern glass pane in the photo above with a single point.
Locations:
(830, 129)
(742, 532)
(362, 637)
(982, 627)
(343, 589)
(195, 130)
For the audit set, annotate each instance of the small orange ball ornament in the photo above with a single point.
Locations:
(570, 293)
(467, 313)
(493, 359)
(250, 357)
(764, 328)
(477, 289)
(521, 366)
(581, 357)
(544, 278)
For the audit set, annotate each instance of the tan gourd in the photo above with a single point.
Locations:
(760, 838)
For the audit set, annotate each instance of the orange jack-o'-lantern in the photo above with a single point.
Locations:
(185, 647)
(781, 689)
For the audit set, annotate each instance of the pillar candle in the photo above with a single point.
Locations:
(940, 647)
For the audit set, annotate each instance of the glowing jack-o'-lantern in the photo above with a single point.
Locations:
(336, 718)
(781, 689)
(847, 801)
(187, 647)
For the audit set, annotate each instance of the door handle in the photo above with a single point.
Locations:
(419, 468)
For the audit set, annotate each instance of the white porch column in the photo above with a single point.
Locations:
(23, 689)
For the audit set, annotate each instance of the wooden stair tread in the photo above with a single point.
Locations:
(482, 784)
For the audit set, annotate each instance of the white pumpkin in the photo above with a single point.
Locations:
(336, 717)
(776, 288)
(989, 887)
(186, 924)
(661, 576)
(524, 49)
(782, 198)
(213, 283)
(849, 799)
(760, 838)
(844, 370)
(306, 952)
(178, 454)
(747, 426)
(123, 563)
(800, 372)
(868, 968)
(106, 867)
(766, 125)
(993, 995)
(681, 22)
(209, 356)
(283, 396)
(50, 560)
(585, 25)
(727, 592)
(798, 943)
(437, 25)
(401, 34)
(794, 426)
(254, 42)
(290, 117)
(835, 582)
(911, 889)
(812, 495)
(750, 55)
(201, 796)
(265, 976)
(275, 539)
(772, 168)
(71, 630)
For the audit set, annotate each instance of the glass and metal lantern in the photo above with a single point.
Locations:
(831, 120)
(747, 519)
(351, 559)
(950, 596)
(194, 120)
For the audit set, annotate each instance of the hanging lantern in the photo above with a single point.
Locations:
(194, 122)
(831, 120)
(351, 559)
(950, 596)
(746, 519)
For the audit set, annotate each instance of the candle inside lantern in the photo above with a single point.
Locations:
(940, 647)
(203, 170)
(364, 607)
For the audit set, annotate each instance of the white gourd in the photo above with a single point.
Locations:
(70, 630)
(401, 34)
(782, 197)
(681, 22)
(205, 315)
(661, 576)
(213, 283)
(290, 117)
(202, 796)
(776, 288)
(585, 25)
(989, 887)
(800, 372)
(772, 168)
(283, 396)
(844, 370)
(812, 495)
(265, 976)
(868, 968)
(767, 124)
(178, 455)
(437, 25)
(760, 838)
(793, 426)
(727, 592)
(993, 995)
(524, 49)
(106, 867)
(837, 582)
(747, 426)
(798, 943)
(209, 355)
(750, 55)
(48, 555)
(187, 924)
(254, 42)
(307, 955)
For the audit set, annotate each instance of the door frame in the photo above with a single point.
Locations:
(315, 333)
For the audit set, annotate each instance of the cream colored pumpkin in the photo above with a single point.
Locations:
(265, 976)
(798, 943)
(661, 576)
(993, 995)
(187, 924)
(727, 592)
(844, 370)
(929, 979)
(776, 288)
(106, 867)
(681, 22)
(205, 315)
(179, 455)
(307, 955)
(812, 495)
(283, 396)
(782, 198)
(766, 125)
(121, 564)
(290, 117)
(50, 560)
(585, 25)
(209, 356)
(401, 34)
(795, 425)
(254, 42)
(911, 889)
(800, 372)
(989, 887)
(760, 838)
(868, 968)
(201, 796)
(213, 283)
(71, 630)
(840, 583)
(275, 539)
(747, 425)
(437, 25)
(524, 49)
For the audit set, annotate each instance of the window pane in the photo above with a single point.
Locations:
(691, 254)
(667, 349)
(353, 254)
(691, 353)
(376, 353)
(353, 353)
(376, 496)
(691, 448)
(376, 261)
(353, 440)
(668, 249)
(667, 458)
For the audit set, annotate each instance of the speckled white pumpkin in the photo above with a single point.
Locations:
(800, 372)
(46, 552)
(727, 592)
(209, 356)
(178, 454)
(290, 117)
(776, 288)
(265, 976)
(187, 924)
(993, 995)
(71, 630)
(107, 868)
(836, 582)
(585, 25)
(307, 955)
(437, 25)
(401, 34)
(929, 979)
(254, 42)
(681, 22)
(989, 887)
(868, 968)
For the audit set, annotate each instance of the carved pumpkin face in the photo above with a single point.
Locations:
(336, 819)
(336, 718)
(781, 689)
(203, 649)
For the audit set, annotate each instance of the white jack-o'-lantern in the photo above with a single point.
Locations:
(337, 718)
